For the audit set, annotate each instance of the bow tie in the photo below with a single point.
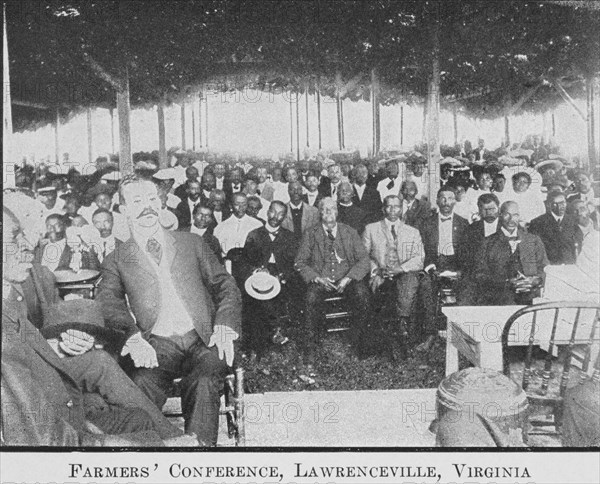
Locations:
(442, 219)
(513, 238)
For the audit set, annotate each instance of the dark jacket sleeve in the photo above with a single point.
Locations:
(362, 263)
(112, 298)
(304, 259)
(225, 293)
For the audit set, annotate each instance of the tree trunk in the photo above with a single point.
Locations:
(507, 132)
(340, 121)
(433, 124)
(162, 148)
(89, 135)
(123, 111)
(206, 122)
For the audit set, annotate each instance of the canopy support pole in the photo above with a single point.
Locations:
(112, 131)
(455, 124)
(162, 148)
(123, 111)
(433, 121)
(193, 127)
(306, 91)
(591, 132)
(200, 94)
(297, 128)
(89, 135)
(291, 125)
(319, 114)
(206, 121)
(375, 112)
(565, 95)
(183, 147)
(506, 131)
(401, 125)
(56, 143)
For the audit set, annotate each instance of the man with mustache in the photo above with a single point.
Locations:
(44, 381)
(186, 310)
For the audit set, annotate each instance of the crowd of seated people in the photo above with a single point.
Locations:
(363, 230)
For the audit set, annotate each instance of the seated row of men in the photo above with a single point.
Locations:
(482, 281)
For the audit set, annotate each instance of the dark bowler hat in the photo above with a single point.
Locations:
(80, 314)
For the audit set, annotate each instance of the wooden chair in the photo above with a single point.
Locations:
(232, 405)
(569, 334)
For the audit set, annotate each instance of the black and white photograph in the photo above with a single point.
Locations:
(354, 229)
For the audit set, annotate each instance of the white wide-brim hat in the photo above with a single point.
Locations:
(262, 286)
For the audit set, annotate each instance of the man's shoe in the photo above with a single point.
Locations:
(278, 338)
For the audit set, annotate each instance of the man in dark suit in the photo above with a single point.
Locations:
(233, 182)
(56, 254)
(300, 216)
(312, 197)
(348, 213)
(557, 230)
(443, 240)
(365, 195)
(38, 377)
(187, 310)
(584, 191)
(330, 183)
(204, 224)
(273, 249)
(487, 225)
(414, 210)
(332, 259)
(218, 202)
(443, 233)
(186, 207)
(510, 264)
(191, 174)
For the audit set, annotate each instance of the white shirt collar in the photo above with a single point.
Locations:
(441, 217)
(508, 234)
(196, 230)
(270, 229)
(556, 217)
(295, 207)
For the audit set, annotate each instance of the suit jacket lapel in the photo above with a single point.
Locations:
(170, 249)
(304, 222)
(135, 260)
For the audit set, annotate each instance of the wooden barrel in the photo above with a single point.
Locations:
(478, 396)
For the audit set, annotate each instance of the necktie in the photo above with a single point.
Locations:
(104, 250)
(330, 235)
(394, 233)
(390, 185)
(154, 249)
(333, 190)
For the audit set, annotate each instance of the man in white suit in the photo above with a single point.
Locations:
(396, 253)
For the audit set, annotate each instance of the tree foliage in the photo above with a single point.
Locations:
(70, 54)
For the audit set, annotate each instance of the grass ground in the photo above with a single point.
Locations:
(338, 368)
